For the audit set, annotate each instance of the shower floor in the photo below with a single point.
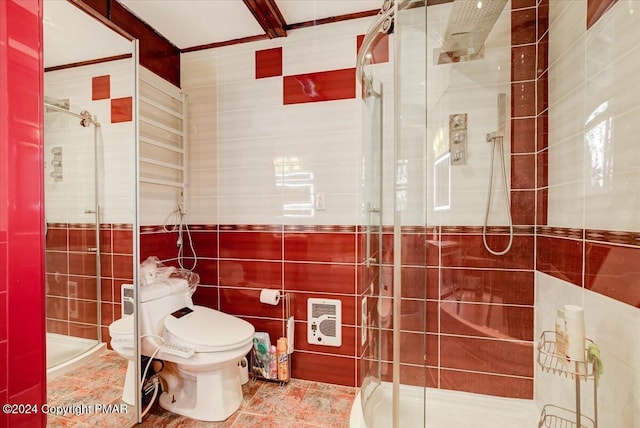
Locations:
(444, 409)
(63, 351)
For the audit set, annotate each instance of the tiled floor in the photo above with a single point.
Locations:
(86, 391)
(298, 404)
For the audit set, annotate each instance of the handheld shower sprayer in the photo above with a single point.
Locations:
(497, 139)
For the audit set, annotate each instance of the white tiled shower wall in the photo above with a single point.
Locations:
(594, 174)
(594, 165)
(67, 200)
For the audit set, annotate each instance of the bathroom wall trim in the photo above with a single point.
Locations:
(89, 62)
(332, 19)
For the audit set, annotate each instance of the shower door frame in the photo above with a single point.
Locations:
(85, 117)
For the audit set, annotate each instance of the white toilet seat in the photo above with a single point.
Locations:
(121, 332)
(208, 330)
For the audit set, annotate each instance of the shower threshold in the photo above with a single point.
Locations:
(444, 409)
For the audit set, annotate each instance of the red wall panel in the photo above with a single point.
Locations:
(21, 219)
(322, 86)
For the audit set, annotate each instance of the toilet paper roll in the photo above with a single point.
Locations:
(270, 297)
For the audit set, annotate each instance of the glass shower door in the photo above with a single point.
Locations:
(72, 239)
(395, 335)
(372, 337)
(415, 320)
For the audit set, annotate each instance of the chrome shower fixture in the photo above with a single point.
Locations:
(86, 118)
(458, 138)
(54, 104)
(382, 25)
(497, 139)
(56, 163)
(469, 25)
(387, 10)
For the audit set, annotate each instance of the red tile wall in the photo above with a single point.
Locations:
(601, 261)
(321, 86)
(236, 261)
(22, 332)
(268, 63)
(101, 87)
(523, 111)
(121, 109)
(475, 308)
(379, 50)
(597, 8)
(541, 181)
(71, 287)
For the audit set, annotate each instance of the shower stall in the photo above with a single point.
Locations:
(500, 177)
(447, 336)
(73, 146)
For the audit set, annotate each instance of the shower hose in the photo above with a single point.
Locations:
(497, 141)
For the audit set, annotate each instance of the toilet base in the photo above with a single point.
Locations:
(129, 390)
(207, 396)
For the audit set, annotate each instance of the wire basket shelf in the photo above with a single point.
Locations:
(560, 417)
(550, 361)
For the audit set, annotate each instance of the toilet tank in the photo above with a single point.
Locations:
(159, 299)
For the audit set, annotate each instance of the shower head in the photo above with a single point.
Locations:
(468, 27)
(87, 119)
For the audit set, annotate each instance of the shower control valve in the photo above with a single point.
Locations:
(457, 121)
(458, 138)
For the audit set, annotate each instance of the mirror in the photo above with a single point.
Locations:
(90, 156)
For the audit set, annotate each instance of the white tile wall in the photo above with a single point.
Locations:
(594, 162)
(240, 132)
(66, 201)
(618, 401)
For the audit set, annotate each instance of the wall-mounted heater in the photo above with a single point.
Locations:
(324, 322)
(127, 299)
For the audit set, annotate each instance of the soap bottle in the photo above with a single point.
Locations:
(574, 316)
(273, 363)
(561, 337)
(283, 359)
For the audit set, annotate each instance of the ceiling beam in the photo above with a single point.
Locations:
(156, 52)
(268, 16)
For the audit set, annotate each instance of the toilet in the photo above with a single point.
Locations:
(205, 385)
(122, 340)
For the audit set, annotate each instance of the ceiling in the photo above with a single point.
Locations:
(72, 36)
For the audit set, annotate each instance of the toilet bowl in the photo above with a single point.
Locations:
(122, 340)
(205, 385)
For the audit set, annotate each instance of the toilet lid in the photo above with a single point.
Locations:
(208, 330)
(121, 327)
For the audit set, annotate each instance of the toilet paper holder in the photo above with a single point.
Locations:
(274, 298)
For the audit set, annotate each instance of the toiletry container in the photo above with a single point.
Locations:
(260, 355)
(561, 336)
(574, 317)
(283, 359)
(273, 363)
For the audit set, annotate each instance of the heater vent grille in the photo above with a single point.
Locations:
(324, 323)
